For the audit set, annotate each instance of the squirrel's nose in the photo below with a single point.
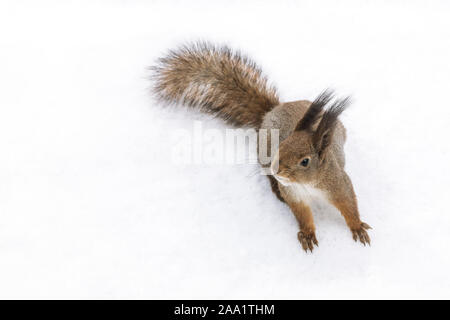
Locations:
(283, 180)
(274, 166)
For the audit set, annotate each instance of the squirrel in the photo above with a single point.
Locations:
(310, 159)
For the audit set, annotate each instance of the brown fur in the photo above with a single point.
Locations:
(229, 85)
(218, 80)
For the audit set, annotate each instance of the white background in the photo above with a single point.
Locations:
(92, 207)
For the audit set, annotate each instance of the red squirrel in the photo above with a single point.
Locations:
(310, 160)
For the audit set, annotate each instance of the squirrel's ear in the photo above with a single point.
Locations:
(313, 113)
(324, 134)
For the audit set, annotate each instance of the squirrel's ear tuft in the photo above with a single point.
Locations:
(324, 133)
(313, 113)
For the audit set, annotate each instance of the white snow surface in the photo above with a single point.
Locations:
(92, 207)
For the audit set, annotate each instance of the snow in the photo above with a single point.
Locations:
(92, 207)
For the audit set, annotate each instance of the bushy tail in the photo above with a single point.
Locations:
(217, 80)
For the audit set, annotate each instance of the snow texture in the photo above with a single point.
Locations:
(92, 207)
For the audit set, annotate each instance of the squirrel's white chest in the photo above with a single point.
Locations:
(306, 193)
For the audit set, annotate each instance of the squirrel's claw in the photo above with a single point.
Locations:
(307, 240)
(362, 234)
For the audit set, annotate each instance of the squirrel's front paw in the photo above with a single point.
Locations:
(361, 233)
(307, 240)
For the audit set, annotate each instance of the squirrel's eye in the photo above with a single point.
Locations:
(304, 162)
